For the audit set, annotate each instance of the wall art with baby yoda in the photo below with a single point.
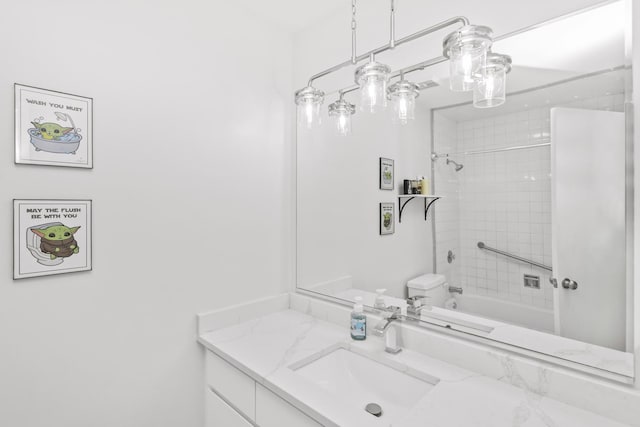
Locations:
(53, 128)
(51, 237)
(387, 218)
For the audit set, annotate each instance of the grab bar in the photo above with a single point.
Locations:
(481, 245)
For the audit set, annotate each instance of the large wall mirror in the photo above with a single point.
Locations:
(523, 235)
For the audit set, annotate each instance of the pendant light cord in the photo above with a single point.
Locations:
(353, 32)
(392, 29)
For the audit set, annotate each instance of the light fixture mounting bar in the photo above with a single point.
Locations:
(417, 67)
(343, 92)
(444, 24)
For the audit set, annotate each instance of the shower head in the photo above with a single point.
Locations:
(457, 165)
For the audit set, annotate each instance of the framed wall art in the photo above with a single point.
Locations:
(53, 128)
(51, 237)
(387, 218)
(386, 174)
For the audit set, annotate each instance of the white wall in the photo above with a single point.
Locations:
(191, 191)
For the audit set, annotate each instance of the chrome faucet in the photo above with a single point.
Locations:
(390, 333)
(416, 304)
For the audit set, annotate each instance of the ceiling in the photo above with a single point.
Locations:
(294, 15)
(568, 49)
(562, 94)
(577, 45)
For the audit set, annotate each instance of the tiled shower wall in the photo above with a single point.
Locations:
(505, 202)
(502, 199)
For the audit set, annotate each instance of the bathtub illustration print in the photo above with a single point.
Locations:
(51, 237)
(54, 138)
(53, 128)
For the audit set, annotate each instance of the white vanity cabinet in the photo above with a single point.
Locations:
(218, 413)
(233, 399)
(273, 411)
(232, 385)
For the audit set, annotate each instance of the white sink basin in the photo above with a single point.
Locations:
(357, 380)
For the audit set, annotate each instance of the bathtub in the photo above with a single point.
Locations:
(67, 145)
(540, 319)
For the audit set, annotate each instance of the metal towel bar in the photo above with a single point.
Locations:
(481, 245)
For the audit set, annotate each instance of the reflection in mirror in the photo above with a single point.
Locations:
(525, 238)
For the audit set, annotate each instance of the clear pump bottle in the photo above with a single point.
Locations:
(358, 321)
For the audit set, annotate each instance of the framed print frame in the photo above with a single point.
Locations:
(51, 237)
(387, 175)
(53, 128)
(387, 218)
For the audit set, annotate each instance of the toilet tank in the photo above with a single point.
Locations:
(432, 286)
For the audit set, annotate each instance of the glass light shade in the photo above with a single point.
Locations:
(373, 78)
(309, 100)
(403, 95)
(342, 111)
(467, 52)
(491, 89)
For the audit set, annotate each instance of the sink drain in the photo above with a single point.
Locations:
(374, 409)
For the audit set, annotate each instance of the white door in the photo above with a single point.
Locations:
(588, 225)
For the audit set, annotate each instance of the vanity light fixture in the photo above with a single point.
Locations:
(342, 111)
(309, 100)
(373, 78)
(467, 50)
(491, 89)
(403, 95)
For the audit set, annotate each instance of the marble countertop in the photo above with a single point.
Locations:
(266, 347)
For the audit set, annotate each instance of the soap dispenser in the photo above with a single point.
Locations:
(379, 303)
(358, 321)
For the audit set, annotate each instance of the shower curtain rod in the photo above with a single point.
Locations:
(436, 156)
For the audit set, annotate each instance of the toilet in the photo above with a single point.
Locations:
(432, 286)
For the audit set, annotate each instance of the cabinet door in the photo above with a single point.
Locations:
(272, 411)
(219, 414)
(236, 387)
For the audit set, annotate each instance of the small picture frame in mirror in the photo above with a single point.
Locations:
(387, 218)
(387, 175)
